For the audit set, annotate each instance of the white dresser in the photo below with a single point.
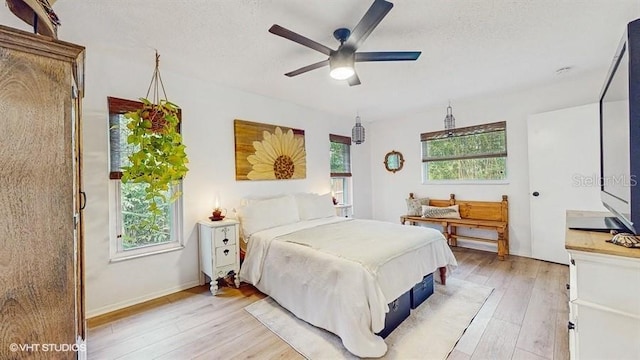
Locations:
(604, 297)
(219, 251)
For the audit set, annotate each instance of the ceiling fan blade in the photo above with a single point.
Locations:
(354, 80)
(304, 69)
(369, 21)
(387, 56)
(288, 34)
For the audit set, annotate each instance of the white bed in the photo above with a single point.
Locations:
(339, 274)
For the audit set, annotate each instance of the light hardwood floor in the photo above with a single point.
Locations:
(524, 318)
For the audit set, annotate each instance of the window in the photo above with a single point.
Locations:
(130, 206)
(470, 153)
(340, 168)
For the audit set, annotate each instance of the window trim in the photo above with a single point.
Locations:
(346, 177)
(116, 250)
(340, 139)
(118, 253)
(460, 132)
(465, 131)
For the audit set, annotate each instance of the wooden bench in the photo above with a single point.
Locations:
(488, 215)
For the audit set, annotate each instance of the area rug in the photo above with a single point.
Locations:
(431, 331)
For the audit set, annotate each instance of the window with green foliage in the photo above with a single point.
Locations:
(130, 202)
(470, 153)
(340, 160)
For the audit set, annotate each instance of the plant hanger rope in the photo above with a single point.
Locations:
(156, 82)
(159, 159)
(156, 105)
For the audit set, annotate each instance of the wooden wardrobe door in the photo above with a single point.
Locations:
(38, 264)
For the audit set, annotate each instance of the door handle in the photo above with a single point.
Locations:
(535, 193)
(83, 200)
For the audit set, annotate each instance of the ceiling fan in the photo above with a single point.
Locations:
(341, 61)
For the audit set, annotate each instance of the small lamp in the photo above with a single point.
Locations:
(218, 213)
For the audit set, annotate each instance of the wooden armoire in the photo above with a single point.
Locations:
(41, 242)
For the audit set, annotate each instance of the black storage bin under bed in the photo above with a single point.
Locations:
(421, 291)
(399, 310)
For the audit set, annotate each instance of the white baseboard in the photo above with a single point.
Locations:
(485, 247)
(477, 245)
(130, 302)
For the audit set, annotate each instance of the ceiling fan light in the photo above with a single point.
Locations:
(341, 65)
(342, 73)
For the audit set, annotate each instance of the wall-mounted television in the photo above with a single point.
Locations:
(620, 132)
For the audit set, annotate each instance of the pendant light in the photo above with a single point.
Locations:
(449, 120)
(357, 133)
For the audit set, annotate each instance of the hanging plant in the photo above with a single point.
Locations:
(159, 159)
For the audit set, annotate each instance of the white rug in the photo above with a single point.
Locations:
(430, 332)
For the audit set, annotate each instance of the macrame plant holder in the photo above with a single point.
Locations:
(159, 159)
(158, 123)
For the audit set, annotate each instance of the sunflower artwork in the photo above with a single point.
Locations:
(269, 152)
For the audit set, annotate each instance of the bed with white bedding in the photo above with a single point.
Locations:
(336, 273)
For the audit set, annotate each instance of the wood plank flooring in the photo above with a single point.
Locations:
(524, 318)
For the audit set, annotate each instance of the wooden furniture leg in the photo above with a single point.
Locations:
(443, 275)
(445, 231)
(452, 232)
(502, 245)
(506, 239)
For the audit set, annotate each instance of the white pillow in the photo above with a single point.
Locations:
(441, 212)
(313, 206)
(248, 200)
(264, 214)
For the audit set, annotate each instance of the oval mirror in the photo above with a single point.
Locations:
(393, 161)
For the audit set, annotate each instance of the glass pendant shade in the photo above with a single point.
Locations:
(449, 120)
(357, 133)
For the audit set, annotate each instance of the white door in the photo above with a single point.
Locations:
(564, 172)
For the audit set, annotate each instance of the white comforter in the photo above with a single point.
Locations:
(339, 274)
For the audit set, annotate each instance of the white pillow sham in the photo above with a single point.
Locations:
(248, 200)
(313, 206)
(264, 214)
(441, 212)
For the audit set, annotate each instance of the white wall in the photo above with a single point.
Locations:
(208, 114)
(389, 190)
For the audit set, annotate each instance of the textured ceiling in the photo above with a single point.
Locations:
(469, 47)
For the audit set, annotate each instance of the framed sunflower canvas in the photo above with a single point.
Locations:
(269, 152)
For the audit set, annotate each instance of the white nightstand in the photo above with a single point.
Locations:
(219, 250)
(343, 210)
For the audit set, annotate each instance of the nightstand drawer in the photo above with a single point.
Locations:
(225, 255)
(224, 236)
